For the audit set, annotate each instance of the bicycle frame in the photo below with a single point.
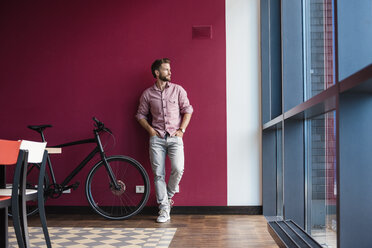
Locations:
(97, 149)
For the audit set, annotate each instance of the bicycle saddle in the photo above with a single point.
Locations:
(39, 128)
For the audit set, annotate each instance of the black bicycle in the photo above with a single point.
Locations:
(117, 187)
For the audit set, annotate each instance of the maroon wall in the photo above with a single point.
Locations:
(62, 62)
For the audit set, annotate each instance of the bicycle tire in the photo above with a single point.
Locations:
(33, 171)
(117, 204)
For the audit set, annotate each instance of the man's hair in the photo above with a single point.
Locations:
(157, 63)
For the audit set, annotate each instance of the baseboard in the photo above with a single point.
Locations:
(246, 210)
(205, 210)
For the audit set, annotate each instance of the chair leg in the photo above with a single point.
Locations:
(19, 231)
(40, 201)
(4, 227)
(3, 214)
(23, 221)
(41, 206)
(19, 202)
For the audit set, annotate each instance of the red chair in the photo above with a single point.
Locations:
(10, 154)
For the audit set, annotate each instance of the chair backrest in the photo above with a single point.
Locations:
(9, 151)
(35, 150)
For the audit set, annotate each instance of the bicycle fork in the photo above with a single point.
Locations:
(106, 164)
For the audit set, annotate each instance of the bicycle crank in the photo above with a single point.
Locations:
(54, 191)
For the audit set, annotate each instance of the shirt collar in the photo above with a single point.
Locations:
(166, 86)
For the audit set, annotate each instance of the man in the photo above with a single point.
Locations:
(170, 109)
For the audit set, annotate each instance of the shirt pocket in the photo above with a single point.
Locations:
(173, 105)
(173, 108)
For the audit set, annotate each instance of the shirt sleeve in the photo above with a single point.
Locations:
(184, 102)
(143, 108)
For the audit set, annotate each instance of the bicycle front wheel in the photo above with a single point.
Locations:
(122, 203)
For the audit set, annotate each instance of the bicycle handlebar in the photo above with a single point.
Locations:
(100, 126)
(98, 123)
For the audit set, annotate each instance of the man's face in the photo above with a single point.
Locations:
(164, 72)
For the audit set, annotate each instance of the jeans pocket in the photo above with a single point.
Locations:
(152, 138)
(179, 140)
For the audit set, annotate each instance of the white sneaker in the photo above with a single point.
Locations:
(163, 216)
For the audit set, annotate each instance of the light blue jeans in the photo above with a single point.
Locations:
(159, 148)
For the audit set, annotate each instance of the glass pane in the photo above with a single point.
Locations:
(321, 168)
(279, 174)
(318, 44)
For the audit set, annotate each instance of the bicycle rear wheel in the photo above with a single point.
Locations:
(122, 203)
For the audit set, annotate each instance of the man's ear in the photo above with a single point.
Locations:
(157, 73)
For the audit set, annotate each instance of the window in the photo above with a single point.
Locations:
(279, 172)
(318, 46)
(322, 166)
(321, 179)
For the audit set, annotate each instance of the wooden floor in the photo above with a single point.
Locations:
(192, 230)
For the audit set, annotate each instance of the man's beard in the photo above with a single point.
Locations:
(163, 78)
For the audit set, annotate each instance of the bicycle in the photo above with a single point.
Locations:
(117, 187)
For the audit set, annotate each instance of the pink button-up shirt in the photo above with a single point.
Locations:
(166, 107)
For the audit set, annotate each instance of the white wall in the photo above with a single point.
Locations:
(243, 103)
